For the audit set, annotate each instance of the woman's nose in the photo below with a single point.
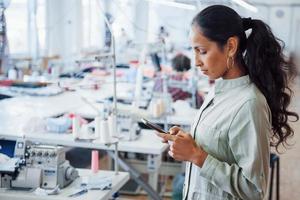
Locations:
(199, 64)
(198, 61)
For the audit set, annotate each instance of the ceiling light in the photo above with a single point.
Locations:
(246, 5)
(174, 4)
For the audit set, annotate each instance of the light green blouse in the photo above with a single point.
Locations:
(233, 126)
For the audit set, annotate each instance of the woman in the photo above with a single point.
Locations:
(229, 146)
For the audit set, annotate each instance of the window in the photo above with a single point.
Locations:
(92, 25)
(18, 26)
(121, 13)
(41, 25)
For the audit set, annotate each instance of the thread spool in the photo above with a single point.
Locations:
(12, 74)
(104, 131)
(161, 106)
(75, 127)
(154, 108)
(95, 161)
(112, 126)
(97, 127)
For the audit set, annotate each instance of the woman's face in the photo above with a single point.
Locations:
(211, 60)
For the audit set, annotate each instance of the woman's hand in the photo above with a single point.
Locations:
(172, 131)
(184, 147)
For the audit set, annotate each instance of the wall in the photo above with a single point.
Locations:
(141, 21)
(64, 32)
(295, 41)
(64, 28)
(176, 21)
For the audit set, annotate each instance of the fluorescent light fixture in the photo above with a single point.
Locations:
(174, 4)
(246, 5)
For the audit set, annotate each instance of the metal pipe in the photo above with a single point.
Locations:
(137, 177)
(116, 159)
(112, 54)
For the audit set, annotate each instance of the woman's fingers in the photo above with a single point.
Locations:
(167, 137)
(182, 147)
(174, 130)
(171, 154)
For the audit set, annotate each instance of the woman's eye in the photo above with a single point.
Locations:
(199, 51)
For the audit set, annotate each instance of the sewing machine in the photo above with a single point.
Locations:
(35, 166)
(128, 127)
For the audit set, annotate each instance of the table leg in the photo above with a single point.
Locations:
(136, 177)
(153, 166)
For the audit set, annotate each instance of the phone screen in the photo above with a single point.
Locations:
(153, 126)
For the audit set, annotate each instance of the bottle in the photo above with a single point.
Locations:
(12, 74)
(95, 161)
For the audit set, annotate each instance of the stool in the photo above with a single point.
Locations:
(274, 160)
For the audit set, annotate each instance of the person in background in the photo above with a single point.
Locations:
(123, 41)
(162, 34)
(107, 34)
(180, 65)
(164, 39)
(228, 148)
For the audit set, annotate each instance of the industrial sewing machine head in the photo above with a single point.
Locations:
(33, 166)
(128, 127)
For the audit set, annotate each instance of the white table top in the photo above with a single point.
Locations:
(40, 106)
(184, 114)
(147, 143)
(16, 113)
(117, 182)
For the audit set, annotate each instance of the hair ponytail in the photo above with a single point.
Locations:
(262, 56)
(271, 73)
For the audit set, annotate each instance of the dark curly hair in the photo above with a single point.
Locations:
(262, 56)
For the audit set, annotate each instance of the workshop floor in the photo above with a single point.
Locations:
(290, 159)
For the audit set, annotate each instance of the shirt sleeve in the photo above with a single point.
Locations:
(248, 139)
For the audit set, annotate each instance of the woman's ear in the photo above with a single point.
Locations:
(232, 45)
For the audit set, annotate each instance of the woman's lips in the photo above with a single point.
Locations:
(204, 71)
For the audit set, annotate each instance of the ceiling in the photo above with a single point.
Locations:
(261, 2)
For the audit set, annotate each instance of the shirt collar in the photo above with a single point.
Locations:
(223, 85)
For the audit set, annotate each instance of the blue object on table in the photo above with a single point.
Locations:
(7, 147)
(81, 192)
(58, 125)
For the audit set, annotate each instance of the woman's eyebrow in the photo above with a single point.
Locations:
(198, 47)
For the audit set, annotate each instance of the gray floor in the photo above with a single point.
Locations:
(290, 159)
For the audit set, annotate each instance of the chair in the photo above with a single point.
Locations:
(274, 160)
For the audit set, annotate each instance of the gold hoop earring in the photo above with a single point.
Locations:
(232, 63)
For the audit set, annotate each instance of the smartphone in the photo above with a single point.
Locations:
(153, 126)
